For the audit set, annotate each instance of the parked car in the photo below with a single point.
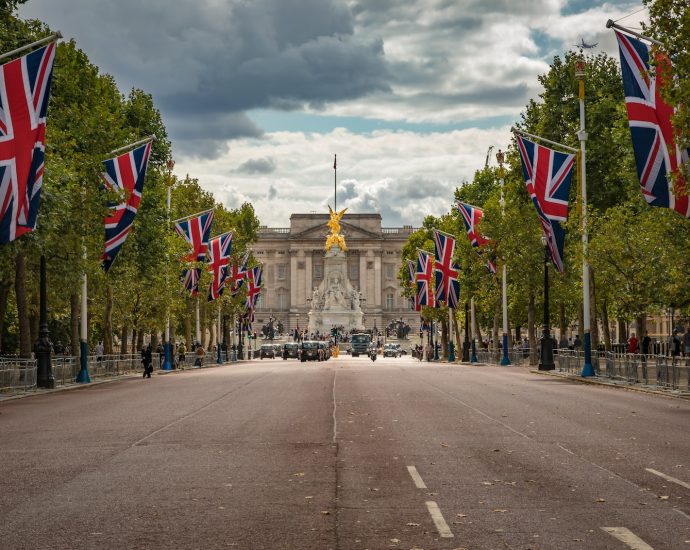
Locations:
(291, 350)
(392, 350)
(310, 351)
(267, 351)
(278, 349)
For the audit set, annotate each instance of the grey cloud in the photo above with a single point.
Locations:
(264, 165)
(202, 59)
(272, 192)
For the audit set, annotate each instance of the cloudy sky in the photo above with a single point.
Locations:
(258, 95)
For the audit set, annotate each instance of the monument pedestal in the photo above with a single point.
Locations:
(335, 302)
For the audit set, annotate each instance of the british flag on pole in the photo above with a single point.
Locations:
(446, 270)
(190, 280)
(218, 259)
(472, 216)
(656, 154)
(425, 291)
(24, 91)
(124, 175)
(196, 230)
(253, 286)
(547, 175)
(412, 274)
(238, 274)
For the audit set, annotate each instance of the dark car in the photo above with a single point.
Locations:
(291, 350)
(267, 351)
(310, 351)
(392, 350)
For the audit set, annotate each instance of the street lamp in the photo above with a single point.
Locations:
(167, 363)
(505, 360)
(546, 355)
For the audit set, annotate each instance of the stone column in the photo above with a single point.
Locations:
(292, 280)
(377, 278)
(308, 274)
(363, 273)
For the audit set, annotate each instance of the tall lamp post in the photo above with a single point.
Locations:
(505, 360)
(587, 369)
(435, 341)
(473, 358)
(167, 347)
(546, 355)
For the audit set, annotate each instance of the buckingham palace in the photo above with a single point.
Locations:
(293, 260)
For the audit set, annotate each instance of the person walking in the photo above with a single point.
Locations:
(99, 351)
(686, 344)
(646, 343)
(200, 354)
(147, 360)
(181, 351)
(577, 344)
(632, 343)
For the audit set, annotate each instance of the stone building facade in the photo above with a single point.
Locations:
(293, 266)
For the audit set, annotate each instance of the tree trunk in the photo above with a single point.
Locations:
(444, 339)
(531, 329)
(226, 331)
(641, 324)
(108, 321)
(456, 329)
(478, 330)
(22, 307)
(622, 331)
(188, 324)
(34, 319)
(154, 340)
(605, 325)
(494, 348)
(5, 286)
(74, 305)
(140, 340)
(123, 339)
(518, 333)
(562, 327)
(205, 340)
(134, 341)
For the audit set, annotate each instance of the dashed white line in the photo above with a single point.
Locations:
(437, 516)
(335, 406)
(668, 478)
(628, 537)
(418, 481)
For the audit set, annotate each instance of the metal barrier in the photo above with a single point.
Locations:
(17, 375)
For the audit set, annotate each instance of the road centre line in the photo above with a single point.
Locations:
(335, 425)
(437, 516)
(668, 478)
(418, 481)
(626, 536)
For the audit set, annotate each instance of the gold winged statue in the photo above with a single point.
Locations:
(334, 224)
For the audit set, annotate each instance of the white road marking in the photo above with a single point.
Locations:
(437, 516)
(668, 478)
(566, 450)
(682, 513)
(335, 425)
(418, 481)
(626, 536)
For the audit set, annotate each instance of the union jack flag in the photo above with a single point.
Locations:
(446, 270)
(237, 275)
(196, 230)
(124, 175)
(190, 279)
(472, 216)
(656, 154)
(411, 272)
(425, 292)
(218, 259)
(253, 286)
(547, 175)
(24, 91)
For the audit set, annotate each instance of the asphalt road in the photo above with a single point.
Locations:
(346, 454)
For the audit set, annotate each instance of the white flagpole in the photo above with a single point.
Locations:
(83, 376)
(534, 136)
(55, 36)
(505, 360)
(133, 145)
(198, 324)
(168, 362)
(473, 357)
(610, 24)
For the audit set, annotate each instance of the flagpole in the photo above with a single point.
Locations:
(534, 136)
(473, 357)
(587, 369)
(219, 360)
(335, 182)
(193, 215)
(55, 36)
(83, 376)
(198, 324)
(133, 145)
(610, 24)
(167, 345)
(505, 360)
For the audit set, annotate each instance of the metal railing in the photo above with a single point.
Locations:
(518, 357)
(660, 371)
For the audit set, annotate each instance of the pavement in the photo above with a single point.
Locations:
(345, 454)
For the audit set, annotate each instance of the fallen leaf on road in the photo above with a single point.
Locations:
(601, 500)
(308, 497)
(395, 541)
(413, 524)
(487, 483)
(496, 450)
(461, 515)
(500, 510)
(444, 444)
(299, 474)
(325, 512)
(663, 497)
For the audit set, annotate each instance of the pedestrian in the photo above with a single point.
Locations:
(147, 360)
(181, 351)
(563, 342)
(632, 343)
(161, 354)
(646, 343)
(686, 342)
(99, 351)
(200, 353)
(429, 352)
(675, 344)
(577, 344)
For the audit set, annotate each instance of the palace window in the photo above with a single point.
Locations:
(390, 271)
(280, 272)
(318, 271)
(389, 301)
(354, 272)
(282, 300)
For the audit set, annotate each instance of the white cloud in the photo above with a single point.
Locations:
(405, 175)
